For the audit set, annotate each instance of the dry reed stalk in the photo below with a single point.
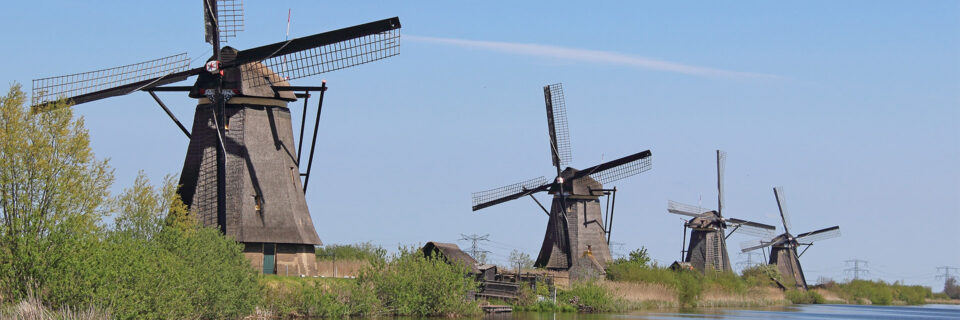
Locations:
(642, 292)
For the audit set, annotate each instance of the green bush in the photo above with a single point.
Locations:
(593, 296)
(411, 284)
(878, 293)
(804, 297)
(361, 251)
(761, 275)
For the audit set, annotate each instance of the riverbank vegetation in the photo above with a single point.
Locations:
(58, 246)
(406, 284)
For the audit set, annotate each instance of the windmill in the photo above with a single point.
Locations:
(708, 245)
(783, 251)
(575, 225)
(241, 172)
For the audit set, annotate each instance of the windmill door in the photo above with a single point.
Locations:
(269, 258)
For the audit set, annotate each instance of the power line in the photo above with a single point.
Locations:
(947, 272)
(859, 266)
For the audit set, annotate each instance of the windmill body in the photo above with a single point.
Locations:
(784, 256)
(242, 170)
(575, 226)
(577, 234)
(265, 206)
(708, 245)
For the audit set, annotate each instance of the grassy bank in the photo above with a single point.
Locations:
(873, 292)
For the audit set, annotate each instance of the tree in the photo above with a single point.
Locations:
(951, 288)
(140, 211)
(52, 192)
(520, 259)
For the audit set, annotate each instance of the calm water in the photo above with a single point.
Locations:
(788, 312)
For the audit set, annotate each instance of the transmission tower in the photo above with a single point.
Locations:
(948, 272)
(475, 251)
(857, 268)
(750, 261)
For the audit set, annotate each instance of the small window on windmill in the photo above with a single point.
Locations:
(258, 204)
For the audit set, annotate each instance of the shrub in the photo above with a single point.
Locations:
(804, 297)
(592, 297)
(361, 251)
(951, 288)
(411, 284)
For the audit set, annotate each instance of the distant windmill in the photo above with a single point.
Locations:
(575, 225)
(784, 247)
(242, 172)
(708, 246)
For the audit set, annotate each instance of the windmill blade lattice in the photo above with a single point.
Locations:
(684, 209)
(560, 149)
(229, 18)
(618, 169)
(47, 90)
(324, 52)
(778, 192)
(822, 234)
(483, 199)
(755, 244)
(721, 165)
(754, 231)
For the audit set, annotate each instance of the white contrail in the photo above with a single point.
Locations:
(595, 56)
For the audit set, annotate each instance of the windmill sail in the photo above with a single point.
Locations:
(684, 209)
(483, 199)
(94, 85)
(721, 164)
(614, 170)
(324, 52)
(781, 204)
(751, 228)
(560, 149)
(229, 15)
(822, 234)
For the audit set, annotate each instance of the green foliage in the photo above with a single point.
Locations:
(878, 292)
(804, 297)
(593, 296)
(411, 284)
(689, 286)
(155, 262)
(51, 192)
(318, 297)
(762, 275)
(637, 257)
(406, 285)
(362, 251)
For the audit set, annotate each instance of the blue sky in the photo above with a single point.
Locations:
(851, 106)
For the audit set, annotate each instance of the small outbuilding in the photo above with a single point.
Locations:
(452, 254)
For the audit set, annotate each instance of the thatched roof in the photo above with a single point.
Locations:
(451, 253)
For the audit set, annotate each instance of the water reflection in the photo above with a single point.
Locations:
(783, 312)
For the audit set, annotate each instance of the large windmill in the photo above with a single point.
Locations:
(242, 170)
(708, 245)
(783, 253)
(575, 225)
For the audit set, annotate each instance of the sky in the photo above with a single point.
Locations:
(851, 106)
